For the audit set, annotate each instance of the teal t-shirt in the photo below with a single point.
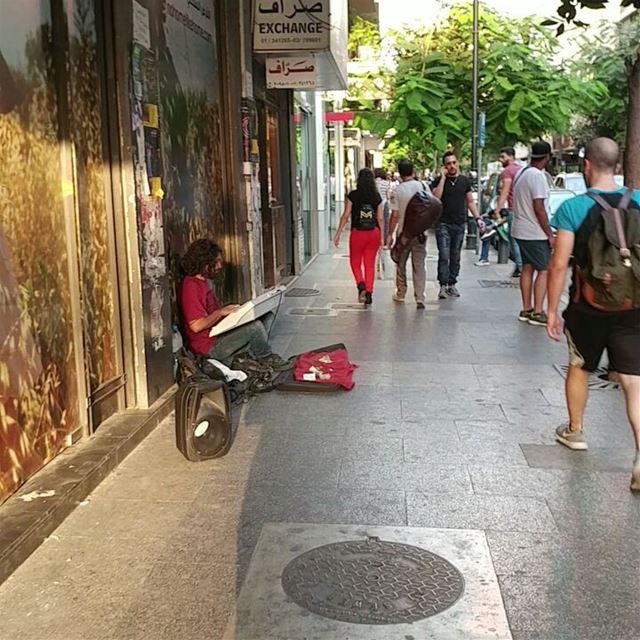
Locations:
(572, 213)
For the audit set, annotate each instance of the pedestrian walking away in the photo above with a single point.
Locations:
(364, 207)
(533, 233)
(384, 187)
(454, 190)
(600, 316)
(417, 248)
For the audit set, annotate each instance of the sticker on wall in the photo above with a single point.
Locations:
(141, 29)
(150, 116)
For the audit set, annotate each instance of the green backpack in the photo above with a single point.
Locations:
(608, 275)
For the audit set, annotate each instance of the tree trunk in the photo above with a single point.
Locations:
(632, 146)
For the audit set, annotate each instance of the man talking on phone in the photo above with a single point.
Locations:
(454, 190)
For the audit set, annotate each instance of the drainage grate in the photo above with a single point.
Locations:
(312, 311)
(598, 380)
(299, 292)
(372, 582)
(500, 284)
(348, 306)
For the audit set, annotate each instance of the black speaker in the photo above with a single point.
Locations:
(203, 419)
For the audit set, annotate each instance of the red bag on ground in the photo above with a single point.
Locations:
(328, 367)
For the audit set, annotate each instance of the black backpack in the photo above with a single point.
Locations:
(365, 218)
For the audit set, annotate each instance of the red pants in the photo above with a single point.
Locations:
(363, 249)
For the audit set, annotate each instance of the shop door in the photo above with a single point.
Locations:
(276, 223)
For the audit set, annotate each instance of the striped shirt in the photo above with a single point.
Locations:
(383, 188)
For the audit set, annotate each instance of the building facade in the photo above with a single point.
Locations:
(127, 130)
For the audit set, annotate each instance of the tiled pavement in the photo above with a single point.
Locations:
(449, 427)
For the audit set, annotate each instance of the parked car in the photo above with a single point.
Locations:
(571, 181)
(575, 182)
(556, 198)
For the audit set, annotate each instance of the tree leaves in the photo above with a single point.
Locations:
(523, 94)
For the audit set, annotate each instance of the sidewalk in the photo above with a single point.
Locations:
(448, 433)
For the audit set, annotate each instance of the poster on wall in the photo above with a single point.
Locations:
(190, 127)
(148, 178)
(189, 33)
(38, 374)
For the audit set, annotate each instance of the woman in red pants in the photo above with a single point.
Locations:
(365, 208)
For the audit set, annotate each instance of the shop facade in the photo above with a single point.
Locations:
(127, 130)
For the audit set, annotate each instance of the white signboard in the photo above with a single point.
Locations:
(291, 25)
(291, 72)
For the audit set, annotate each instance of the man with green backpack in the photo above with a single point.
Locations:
(601, 230)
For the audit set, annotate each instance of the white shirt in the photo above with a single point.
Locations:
(400, 196)
(529, 184)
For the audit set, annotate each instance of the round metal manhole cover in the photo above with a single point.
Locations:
(372, 582)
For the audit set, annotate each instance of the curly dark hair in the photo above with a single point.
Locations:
(200, 257)
(367, 188)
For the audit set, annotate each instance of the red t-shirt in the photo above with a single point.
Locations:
(509, 173)
(197, 301)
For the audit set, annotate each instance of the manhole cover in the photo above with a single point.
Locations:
(298, 292)
(598, 380)
(500, 284)
(372, 582)
(313, 311)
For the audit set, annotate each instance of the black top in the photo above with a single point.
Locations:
(454, 199)
(363, 211)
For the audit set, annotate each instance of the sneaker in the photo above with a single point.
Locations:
(525, 315)
(572, 439)
(516, 273)
(482, 263)
(368, 299)
(277, 363)
(635, 474)
(452, 291)
(397, 299)
(488, 234)
(420, 305)
(361, 292)
(442, 295)
(538, 319)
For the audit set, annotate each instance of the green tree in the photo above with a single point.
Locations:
(602, 60)
(522, 93)
(624, 52)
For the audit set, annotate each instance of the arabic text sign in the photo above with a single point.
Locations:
(291, 72)
(291, 25)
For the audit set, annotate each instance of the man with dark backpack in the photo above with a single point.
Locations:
(601, 229)
(400, 198)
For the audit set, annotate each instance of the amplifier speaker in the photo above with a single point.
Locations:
(203, 419)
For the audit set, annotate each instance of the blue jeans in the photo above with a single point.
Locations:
(486, 244)
(450, 238)
(516, 256)
(484, 252)
(251, 338)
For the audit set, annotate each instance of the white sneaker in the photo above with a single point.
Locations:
(488, 234)
(482, 263)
